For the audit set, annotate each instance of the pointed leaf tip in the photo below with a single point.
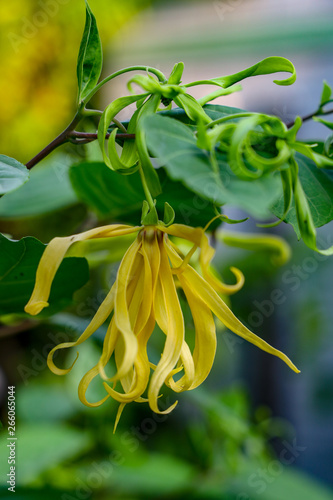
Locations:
(90, 58)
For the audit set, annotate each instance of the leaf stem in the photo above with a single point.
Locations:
(58, 141)
(230, 117)
(86, 137)
(73, 136)
(311, 115)
(148, 195)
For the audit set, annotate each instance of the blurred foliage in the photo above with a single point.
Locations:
(38, 47)
(215, 445)
(220, 453)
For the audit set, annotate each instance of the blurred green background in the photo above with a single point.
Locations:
(254, 430)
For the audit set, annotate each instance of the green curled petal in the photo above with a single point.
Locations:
(176, 74)
(109, 113)
(115, 161)
(275, 245)
(192, 108)
(320, 160)
(265, 67)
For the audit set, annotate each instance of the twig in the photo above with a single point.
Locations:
(309, 116)
(93, 136)
(70, 135)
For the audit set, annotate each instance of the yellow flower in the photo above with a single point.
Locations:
(145, 294)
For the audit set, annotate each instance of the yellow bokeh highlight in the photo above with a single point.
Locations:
(39, 47)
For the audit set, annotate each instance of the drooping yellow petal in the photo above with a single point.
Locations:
(175, 337)
(221, 310)
(185, 361)
(100, 317)
(142, 321)
(205, 335)
(92, 373)
(134, 298)
(53, 256)
(113, 333)
(198, 237)
(109, 344)
(145, 334)
(141, 371)
(121, 312)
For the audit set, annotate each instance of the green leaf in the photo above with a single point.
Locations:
(90, 59)
(175, 147)
(326, 94)
(176, 74)
(328, 146)
(48, 189)
(12, 174)
(149, 215)
(169, 214)
(318, 188)
(18, 265)
(320, 160)
(214, 111)
(120, 197)
(323, 122)
(192, 108)
(44, 207)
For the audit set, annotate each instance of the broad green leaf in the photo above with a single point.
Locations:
(48, 189)
(18, 265)
(90, 59)
(318, 188)
(214, 111)
(305, 220)
(12, 174)
(120, 197)
(40, 447)
(175, 147)
(44, 207)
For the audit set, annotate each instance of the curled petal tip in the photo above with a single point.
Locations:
(35, 308)
(239, 277)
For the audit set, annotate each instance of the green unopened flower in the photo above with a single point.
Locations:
(145, 294)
